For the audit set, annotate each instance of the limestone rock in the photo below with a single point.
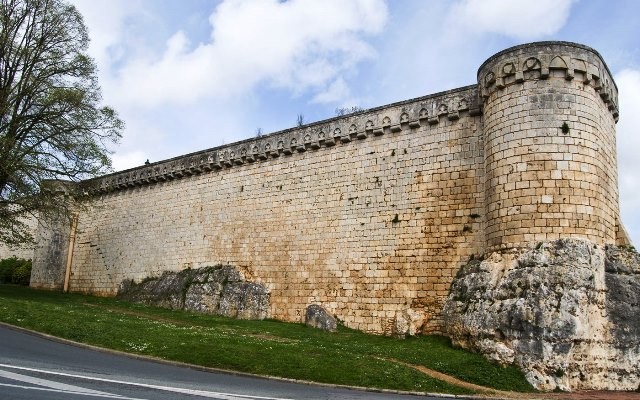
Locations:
(622, 277)
(408, 322)
(244, 300)
(203, 297)
(215, 290)
(164, 291)
(317, 317)
(566, 312)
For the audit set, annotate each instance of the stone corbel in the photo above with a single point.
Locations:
(544, 66)
(214, 161)
(404, 118)
(570, 71)
(293, 144)
(313, 143)
(177, 173)
(519, 76)
(328, 141)
(196, 169)
(252, 154)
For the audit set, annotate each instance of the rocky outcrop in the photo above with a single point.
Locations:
(567, 312)
(622, 278)
(218, 290)
(316, 316)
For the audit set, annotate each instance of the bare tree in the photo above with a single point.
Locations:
(52, 123)
(342, 111)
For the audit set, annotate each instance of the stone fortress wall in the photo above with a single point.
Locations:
(13, 251)
(372, 214)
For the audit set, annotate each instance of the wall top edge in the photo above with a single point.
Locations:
(545, 44)
(544, 60)
(353, 125)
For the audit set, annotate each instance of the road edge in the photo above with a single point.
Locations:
(239, 373)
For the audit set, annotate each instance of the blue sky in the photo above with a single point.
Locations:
(193, 74)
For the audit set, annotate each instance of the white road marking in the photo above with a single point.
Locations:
(64, 391)
(51, 386)
(194, 392)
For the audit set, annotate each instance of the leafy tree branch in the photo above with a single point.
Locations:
(53, 126)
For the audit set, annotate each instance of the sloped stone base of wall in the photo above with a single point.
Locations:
(219, 290)
(567, 312)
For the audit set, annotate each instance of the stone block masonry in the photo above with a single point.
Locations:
(369, 220)
(549, 124)
(371, 215)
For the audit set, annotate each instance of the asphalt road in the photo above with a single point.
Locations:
(34, 367)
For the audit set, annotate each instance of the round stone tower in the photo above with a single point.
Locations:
(550, 110)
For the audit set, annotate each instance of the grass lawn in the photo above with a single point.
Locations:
(288, 350)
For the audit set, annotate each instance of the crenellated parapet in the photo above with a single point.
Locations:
(542, 60)
(391, 119)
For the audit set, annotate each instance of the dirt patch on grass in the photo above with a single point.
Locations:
(273, 338)
(499, 394)
(481, 390)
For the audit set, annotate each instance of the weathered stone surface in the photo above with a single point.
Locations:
(214, 290)
(165, 291)
(244, 300)
(203, 297)
(317, 317)
(622, 278)
(556, 311)
(50, 254)
(408, 322)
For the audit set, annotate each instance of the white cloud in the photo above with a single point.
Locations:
(298, 45)
(107, 23)
(628, 82)
(181, 89)
(126, 160)
(521, 19)
(337, 91)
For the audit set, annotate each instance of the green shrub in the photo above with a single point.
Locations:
(7, 266)
(22, 274)
(15, 270)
